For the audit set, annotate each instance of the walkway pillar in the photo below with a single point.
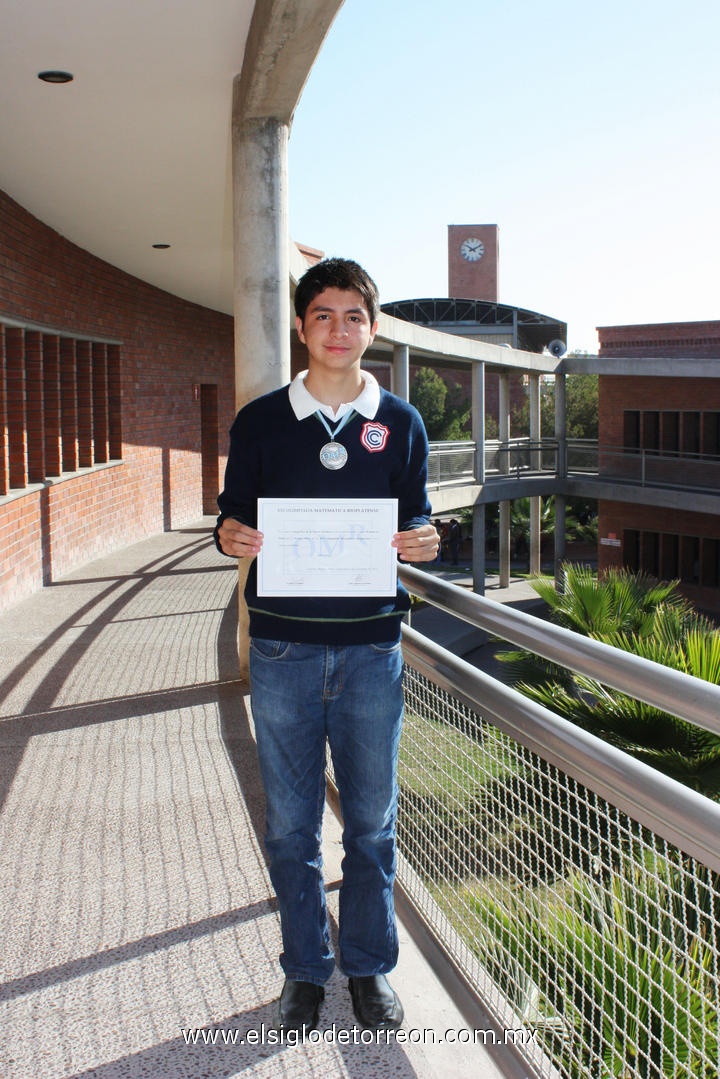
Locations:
(535, 533)
(261, 261)
(479, 541)
(560, 503)
(535, 466)
(559, 549)
(401, 371)
(478, 434)
(504, 514)
(261, 279)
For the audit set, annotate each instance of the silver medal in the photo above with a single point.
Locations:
(333, 455)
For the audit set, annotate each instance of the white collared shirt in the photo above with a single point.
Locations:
(304, 404)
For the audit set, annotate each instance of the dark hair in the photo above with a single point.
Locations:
(336, 273)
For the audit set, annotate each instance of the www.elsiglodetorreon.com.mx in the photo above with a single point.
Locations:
(334, 1035)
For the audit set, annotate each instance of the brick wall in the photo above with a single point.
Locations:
(663, 403)
(617, 393)
(615, 518)
(661, 339)
(168, 349)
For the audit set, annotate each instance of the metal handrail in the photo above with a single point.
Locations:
(688, 698)
(655, 453)
(680, 815)
(593, 451)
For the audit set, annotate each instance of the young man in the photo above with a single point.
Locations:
(330, 669)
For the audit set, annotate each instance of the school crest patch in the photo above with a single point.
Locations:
(374, 436)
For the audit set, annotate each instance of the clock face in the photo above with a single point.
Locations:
(472, 249)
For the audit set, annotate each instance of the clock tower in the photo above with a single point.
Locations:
(473, 257)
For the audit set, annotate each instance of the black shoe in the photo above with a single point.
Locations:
(375, 1003)
(299, 1005)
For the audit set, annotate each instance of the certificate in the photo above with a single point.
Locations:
(327, 547)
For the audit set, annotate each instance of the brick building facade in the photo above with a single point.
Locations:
(116, 400)
(666, 429)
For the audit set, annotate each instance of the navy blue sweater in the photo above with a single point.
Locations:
(275, 455)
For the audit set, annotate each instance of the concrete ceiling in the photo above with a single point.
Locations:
(136, 149)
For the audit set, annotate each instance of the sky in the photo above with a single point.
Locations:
(590, 134)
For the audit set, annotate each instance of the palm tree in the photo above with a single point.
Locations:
(620, 600)
(651, 619)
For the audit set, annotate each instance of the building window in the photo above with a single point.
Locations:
(631, 549)
(711, 434)
(670, 423)
(710, 563)
(651, 431)
(650, 553)
(60, 400)
(631, 429)
(691, 559)
(669, 557)
(691, 433)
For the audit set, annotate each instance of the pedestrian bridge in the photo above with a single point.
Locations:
(521, 466)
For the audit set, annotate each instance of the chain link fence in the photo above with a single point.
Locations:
(564, 913)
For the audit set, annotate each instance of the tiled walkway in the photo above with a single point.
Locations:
(135, 908)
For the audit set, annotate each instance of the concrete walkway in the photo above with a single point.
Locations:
(137, 924)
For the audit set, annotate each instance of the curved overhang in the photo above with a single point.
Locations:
(135, 151)
(283, 41)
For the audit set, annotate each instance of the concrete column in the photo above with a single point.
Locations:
(401, 371)
(559, 547)
(504, 416)
(261, 280)
(261, 261)
(560, 501)
(504, 516)
(478, 419)
(534, 410)
(535, 532)
(478, 434)
(504, 544)
(478, 548)
(535, 465)
(561, 424)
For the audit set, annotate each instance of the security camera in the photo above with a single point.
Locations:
(557, 348)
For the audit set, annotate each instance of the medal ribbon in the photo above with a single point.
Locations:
(346, 419)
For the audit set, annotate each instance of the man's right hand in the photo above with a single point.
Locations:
(239, 540)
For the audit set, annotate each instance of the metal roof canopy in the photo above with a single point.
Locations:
(531, 331)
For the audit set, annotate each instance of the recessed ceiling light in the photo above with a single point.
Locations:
(55, 76)
(161, 247)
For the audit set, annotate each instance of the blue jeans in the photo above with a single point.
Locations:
(304, 695)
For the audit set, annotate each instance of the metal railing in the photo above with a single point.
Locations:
(655, 468)
(575, 888)
(454, 462)
(451, 463)
(521, 455)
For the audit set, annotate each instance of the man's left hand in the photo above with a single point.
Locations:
(417, 545)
